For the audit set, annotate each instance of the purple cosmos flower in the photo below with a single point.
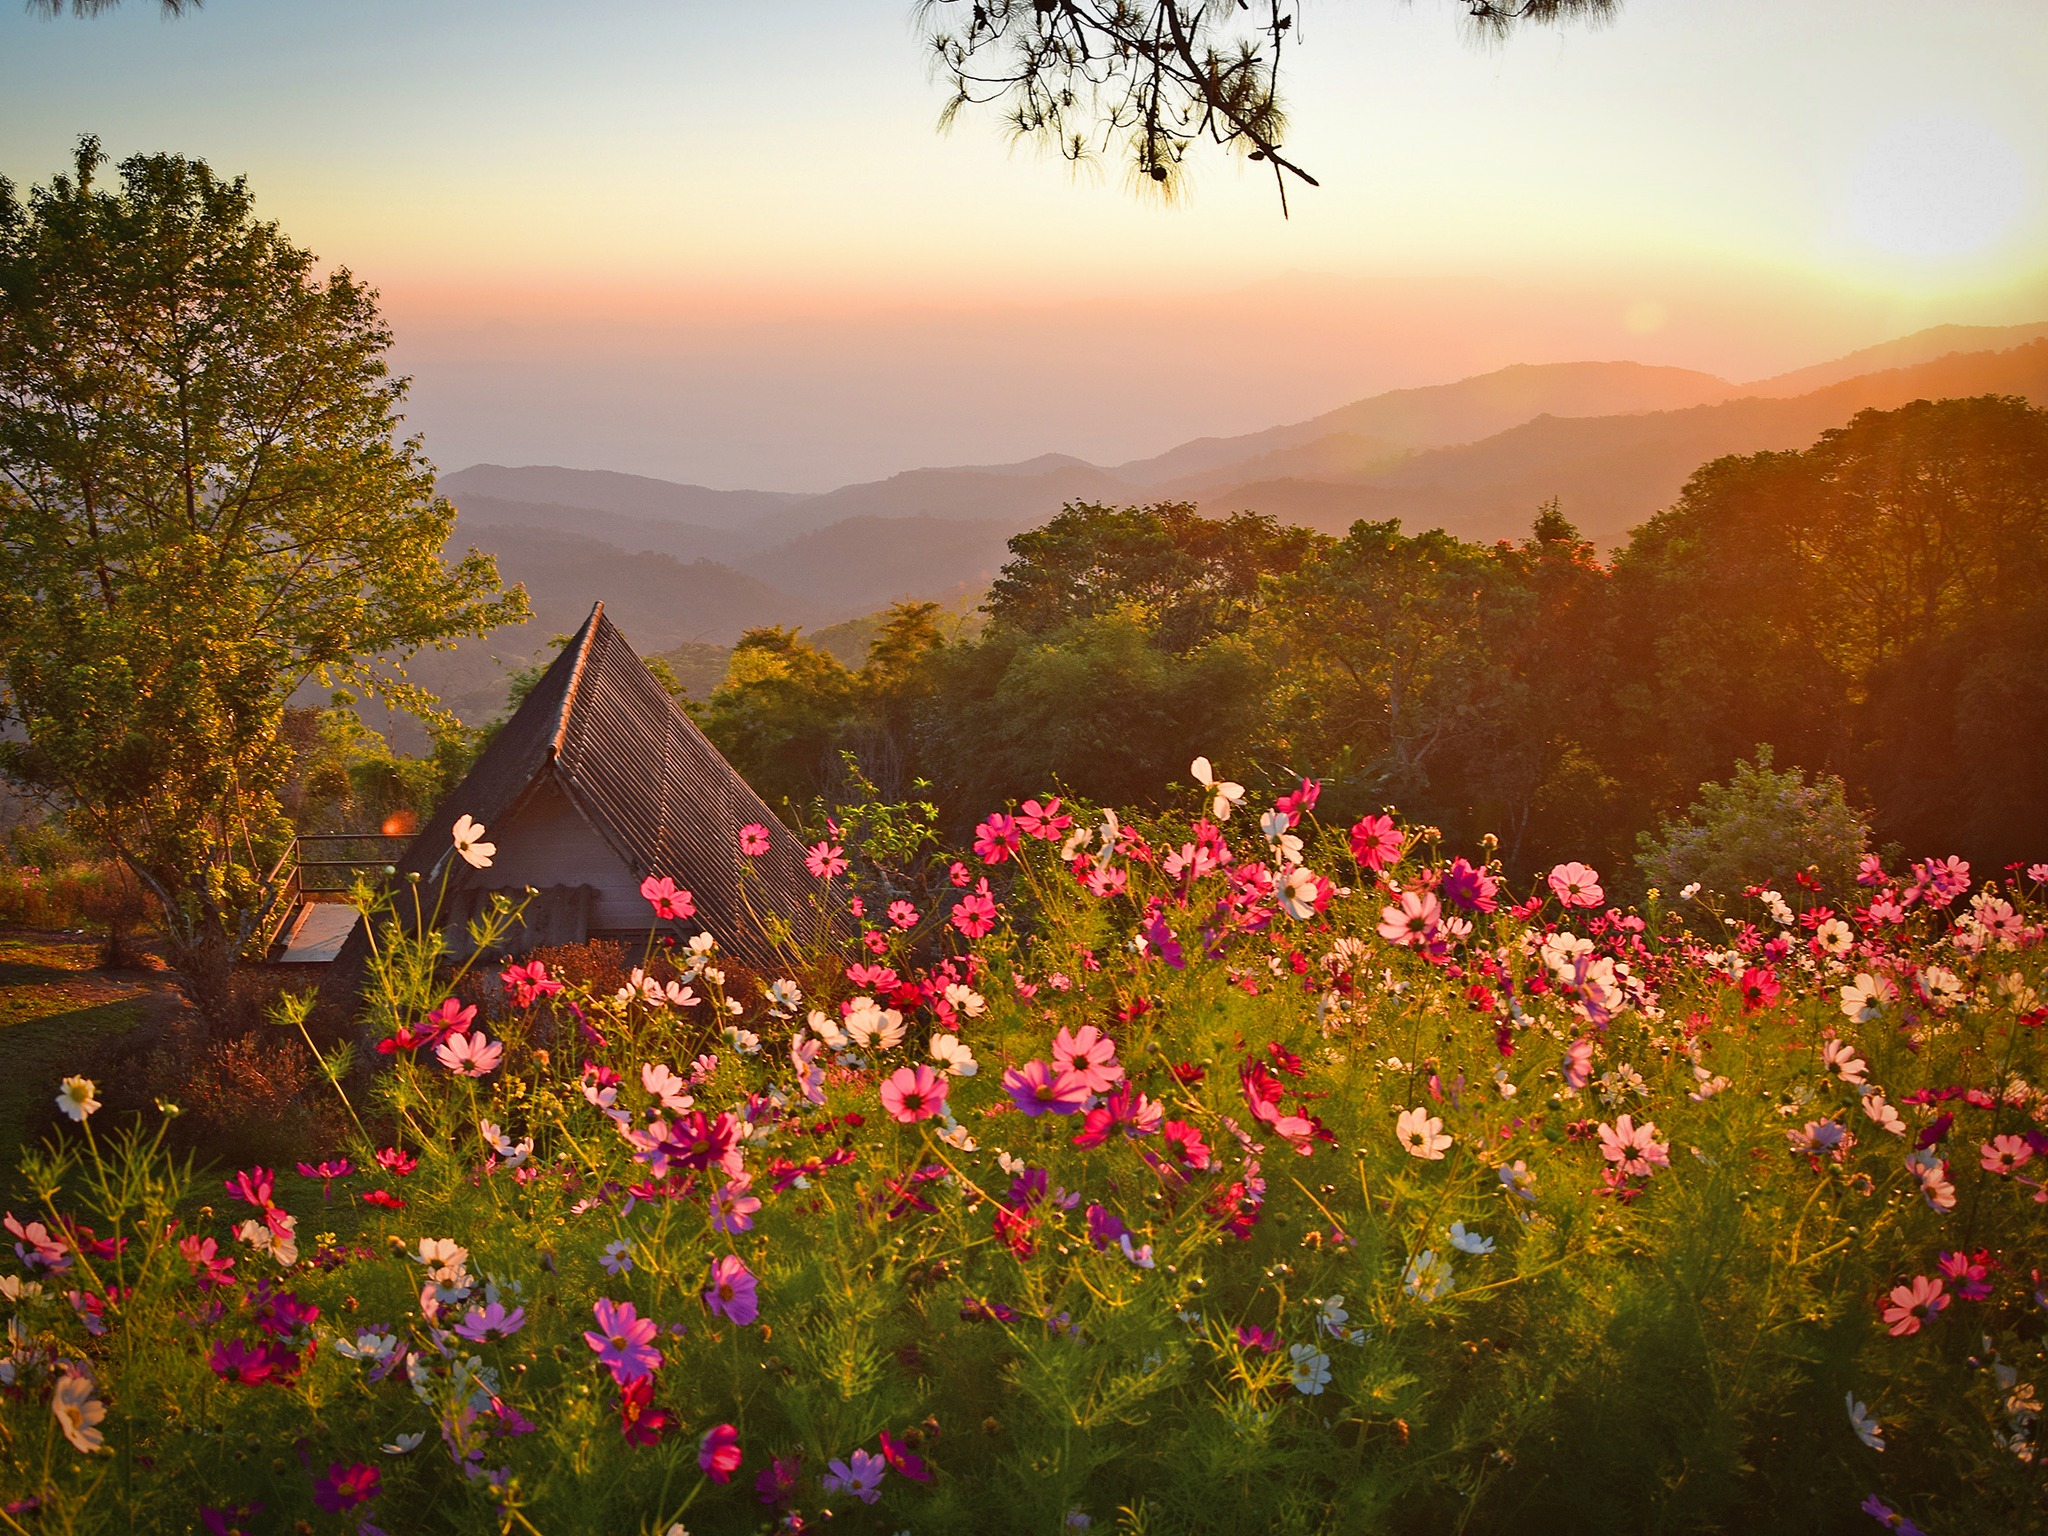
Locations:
(860, 1475)
(1036, 1087)
(481, 1324)
(343, 1487)
(625, 1343)
(1469, 888)
(732, 1292)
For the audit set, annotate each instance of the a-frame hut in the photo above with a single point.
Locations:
(598, 781)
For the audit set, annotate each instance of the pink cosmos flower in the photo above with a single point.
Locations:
(753, 840)
(395, 1160)
(1913, 1304)
(733, 1206)
(860, 1475)
(1415, 921)
(528, 983)
(915, 1093)
(1089, 1053)
(1043, 821)
(902, 915)
(344, 1486)
(975, 915)
(1105, 883)
(625, 1341)
(1036, 1088)
(669, 902)
(826, 860)
(471, 1055)
(1634, 1149)
(733, 1291)
(1376, 842)
(1578, 1064)
(2003, 1154)
(1576, 885)
(718, 1453)
(1298, 804)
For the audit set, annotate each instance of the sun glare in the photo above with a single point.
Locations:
(1937, 186)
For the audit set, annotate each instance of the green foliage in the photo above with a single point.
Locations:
(1760, 828)
(206, 505)
(1661, 1349)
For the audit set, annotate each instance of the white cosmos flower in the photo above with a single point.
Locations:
(404, 1444)
(1469, 1242)
(823, 1026)
(1427, 1276)
(1225, 791)
(1867, 1429)
(75, 1097)
(1311, 1368)
(469, 842)
(869, 1023)
(958, 1058)
(966, 1000)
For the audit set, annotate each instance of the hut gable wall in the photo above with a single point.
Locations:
(546, 842)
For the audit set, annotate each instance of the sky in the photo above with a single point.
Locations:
(727, 244)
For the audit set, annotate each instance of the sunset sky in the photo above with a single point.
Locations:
(726, 244)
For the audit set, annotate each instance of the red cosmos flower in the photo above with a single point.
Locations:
(343, 1487)
(385, 1198)
(718, 1453)
(1187, 1144)
(670, 902)
(395, 1161)
(1760, 989)
(639, 1420)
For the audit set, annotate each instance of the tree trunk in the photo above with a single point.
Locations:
(205, 963)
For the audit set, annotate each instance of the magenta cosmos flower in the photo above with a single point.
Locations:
(975, 915)
(826, 860)
(471, 1055)
(1036, 1087)
(718, 1453)
(915, 1093)
(343, 1487)
(625, 1341)
(753, 839)
(733, 1291)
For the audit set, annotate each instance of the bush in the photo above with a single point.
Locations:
(1269, 1201)
(1759, 829)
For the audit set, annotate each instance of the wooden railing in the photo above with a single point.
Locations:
(321, 864)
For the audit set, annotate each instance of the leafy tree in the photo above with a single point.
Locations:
(1760, 828)
(780, 713)
(203, 505)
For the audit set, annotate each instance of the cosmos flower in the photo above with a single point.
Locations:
(753, 840)
(1224, 793)
(1375, 842)
(1867, 1429)
(1309, 1370)
(470, 1055)
(1576, 885)
(669, 902)
(1469, 1242)
(1912, 1304)
(825, 860)
(718, 1453)
(915, 1093)
(75, 1097)
(732, 1292)
(469, 842)
(482, 1324)
(1422, 1134)
(78, 1412)
(859, 1474)
(1036, 1087)
(1090, 1055)
(1412, 922)
(624, 1341)
(345, 1485)
(1633, 1149)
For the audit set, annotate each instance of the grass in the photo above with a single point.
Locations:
(54, 1008)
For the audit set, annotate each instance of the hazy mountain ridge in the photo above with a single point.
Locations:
(686, 566)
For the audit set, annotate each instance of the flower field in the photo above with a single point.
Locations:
(1222, 1172)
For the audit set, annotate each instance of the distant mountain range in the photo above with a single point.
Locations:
(687, 566)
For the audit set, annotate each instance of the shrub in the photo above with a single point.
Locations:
(1149, 1180)
(1759, 829)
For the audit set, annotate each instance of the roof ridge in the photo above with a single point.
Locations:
(575, 679)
